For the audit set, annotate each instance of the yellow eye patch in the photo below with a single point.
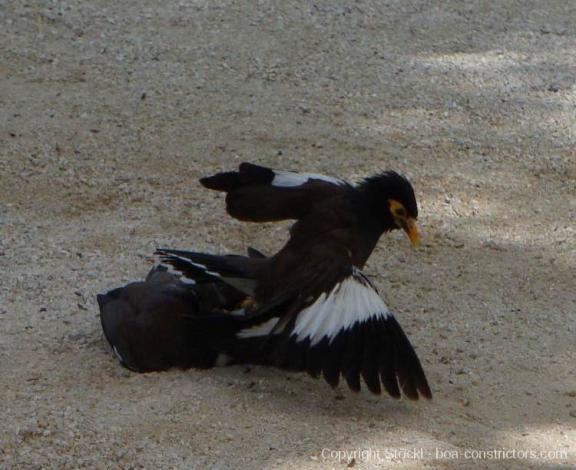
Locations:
(408, 224)
(397, 208)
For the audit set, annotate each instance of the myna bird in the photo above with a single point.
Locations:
(146, 323)
(312, 307)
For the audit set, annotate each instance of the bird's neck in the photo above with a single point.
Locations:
(371, 215)
(372, 211)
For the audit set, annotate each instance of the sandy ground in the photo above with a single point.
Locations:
(110, 111)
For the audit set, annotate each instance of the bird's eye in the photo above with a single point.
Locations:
(400, 212)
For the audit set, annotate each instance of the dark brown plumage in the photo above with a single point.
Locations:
(314, 308)
(148, 327)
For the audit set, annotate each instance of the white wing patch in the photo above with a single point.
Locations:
(352, 301)
(290, 179)
(262, 329)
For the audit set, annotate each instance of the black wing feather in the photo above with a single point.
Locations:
(373, 348)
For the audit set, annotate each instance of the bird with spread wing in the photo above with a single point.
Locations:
(310, 307)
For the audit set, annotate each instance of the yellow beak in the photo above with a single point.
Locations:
(412, 231)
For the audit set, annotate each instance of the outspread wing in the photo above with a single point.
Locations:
(259, 194)
(337, 325)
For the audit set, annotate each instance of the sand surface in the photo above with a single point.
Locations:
(110, 111)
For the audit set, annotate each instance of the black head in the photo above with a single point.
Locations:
(391, 196)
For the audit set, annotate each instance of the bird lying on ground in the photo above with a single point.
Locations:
(310, 306)
(146, 323)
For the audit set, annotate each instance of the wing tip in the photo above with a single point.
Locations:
(400, 374)
(226, 181)
(205, 181)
